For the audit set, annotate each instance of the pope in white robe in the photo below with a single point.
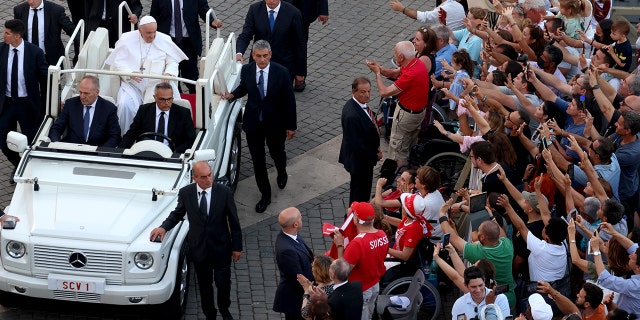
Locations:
(143, 51)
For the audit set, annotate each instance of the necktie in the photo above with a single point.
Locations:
(14, 75)
(261, 90)
(203, 203)
(177, 20)
(87, 123)
(272, 19)
(35, 39)
(161, 125)
(373, 118)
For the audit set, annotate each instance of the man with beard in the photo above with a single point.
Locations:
(588, 302)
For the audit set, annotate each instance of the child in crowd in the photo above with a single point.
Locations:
(570, 13)
(621, 50)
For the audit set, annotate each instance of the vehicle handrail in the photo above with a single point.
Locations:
(122, 187)
(210, 13)
(79, 27)
(129, 74)
(126, 6)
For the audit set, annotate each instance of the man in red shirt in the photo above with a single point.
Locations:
(366, 253)
(412, 88)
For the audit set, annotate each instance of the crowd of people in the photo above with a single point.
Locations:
(545, 97)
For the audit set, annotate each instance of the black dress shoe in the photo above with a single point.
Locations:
(300, 87)
(261, 206)
(226, 315)
(282, 180)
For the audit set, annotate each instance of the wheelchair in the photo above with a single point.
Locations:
(397, 279)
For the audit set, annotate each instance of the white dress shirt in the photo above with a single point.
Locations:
(40, 25)
(22, 87)
(265, 76)
(166, 123)
(208, 191)
(91, 113)
(275, 14)
(172, 29)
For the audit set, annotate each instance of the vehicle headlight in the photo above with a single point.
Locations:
(143, 260)
(15, 249)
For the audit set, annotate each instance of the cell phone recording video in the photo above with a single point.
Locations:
(445, 239)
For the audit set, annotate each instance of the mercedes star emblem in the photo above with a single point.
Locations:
(78, 260)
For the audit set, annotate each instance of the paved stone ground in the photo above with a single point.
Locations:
(356, 30)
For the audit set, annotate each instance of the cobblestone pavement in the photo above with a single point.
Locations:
(356, 30)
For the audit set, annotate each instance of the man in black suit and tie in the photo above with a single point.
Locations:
(104, 13)
(88, 119)
(215, 236)
(293, 257)
(346, 298)
(270, 114)
(22, 69)
(311, 10)
(152, 117)
(360, 149)
(45, 27)
(181, 23)
(280, 23)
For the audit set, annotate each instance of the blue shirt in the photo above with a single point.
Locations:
(628, 290)
(456, 87)
(473, 45)
(609, 172)
(628, 155)
(444, 53)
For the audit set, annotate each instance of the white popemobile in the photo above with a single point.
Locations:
(86, 212)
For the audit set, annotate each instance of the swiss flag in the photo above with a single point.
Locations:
(348, 230)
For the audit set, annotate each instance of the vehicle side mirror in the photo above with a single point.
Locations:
(204, 155)
(17, 142)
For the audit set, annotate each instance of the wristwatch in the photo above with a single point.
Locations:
(596, 253)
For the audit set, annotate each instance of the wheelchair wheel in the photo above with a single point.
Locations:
(438, 113)
(450, 165)
(431, 302)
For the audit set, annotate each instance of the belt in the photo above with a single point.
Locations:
(409, 110)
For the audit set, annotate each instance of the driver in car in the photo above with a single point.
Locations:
(162, 121)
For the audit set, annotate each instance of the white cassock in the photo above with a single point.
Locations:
(133, 54)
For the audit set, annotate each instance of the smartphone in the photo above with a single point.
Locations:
(461, 316)
(445, 239)
(509, 317)
(589, 251)
(157, 239)
(9, 223)
(544, 142)
(501, 289)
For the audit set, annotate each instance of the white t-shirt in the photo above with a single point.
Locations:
(547, 262)
(433, 202)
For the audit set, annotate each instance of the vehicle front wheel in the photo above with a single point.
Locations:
(174, 307)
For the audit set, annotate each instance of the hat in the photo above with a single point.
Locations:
(533, 199)
(413, 204)
(146, 20)
(540, 309)
(364, 211)
(400, 302)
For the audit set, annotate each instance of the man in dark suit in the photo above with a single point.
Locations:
(360, 149)
(190, 39)
(286, 36)
(76, 7)
(151, 117)
(88, 119)
(51, 20)
(215, 236)
(346, 299)
(293, 257)
(104, 13)
(22, 69)
(270, 114)
(311, 10)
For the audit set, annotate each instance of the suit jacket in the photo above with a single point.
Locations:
(360, 139)
(293, 258)
(162, 11)
(287, 39)
(55, 20)
(311, 9)
(180, 126)
(104, 130)
(346, 301)
(35, 70)
(278, 106)
(93, 10)
(211, 237)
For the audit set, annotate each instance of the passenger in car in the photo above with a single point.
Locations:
(165, 119)
(88, 118)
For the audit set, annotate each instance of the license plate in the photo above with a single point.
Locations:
(76, 285)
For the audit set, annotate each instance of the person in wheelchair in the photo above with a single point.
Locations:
(389, 200)
(411, 229)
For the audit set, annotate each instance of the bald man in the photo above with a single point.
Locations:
(293, 257)
(215, 236)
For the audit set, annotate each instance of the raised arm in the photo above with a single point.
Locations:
(455, 239)
(573, 248)
(517, 222)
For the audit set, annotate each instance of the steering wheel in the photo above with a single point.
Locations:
(172, 145)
